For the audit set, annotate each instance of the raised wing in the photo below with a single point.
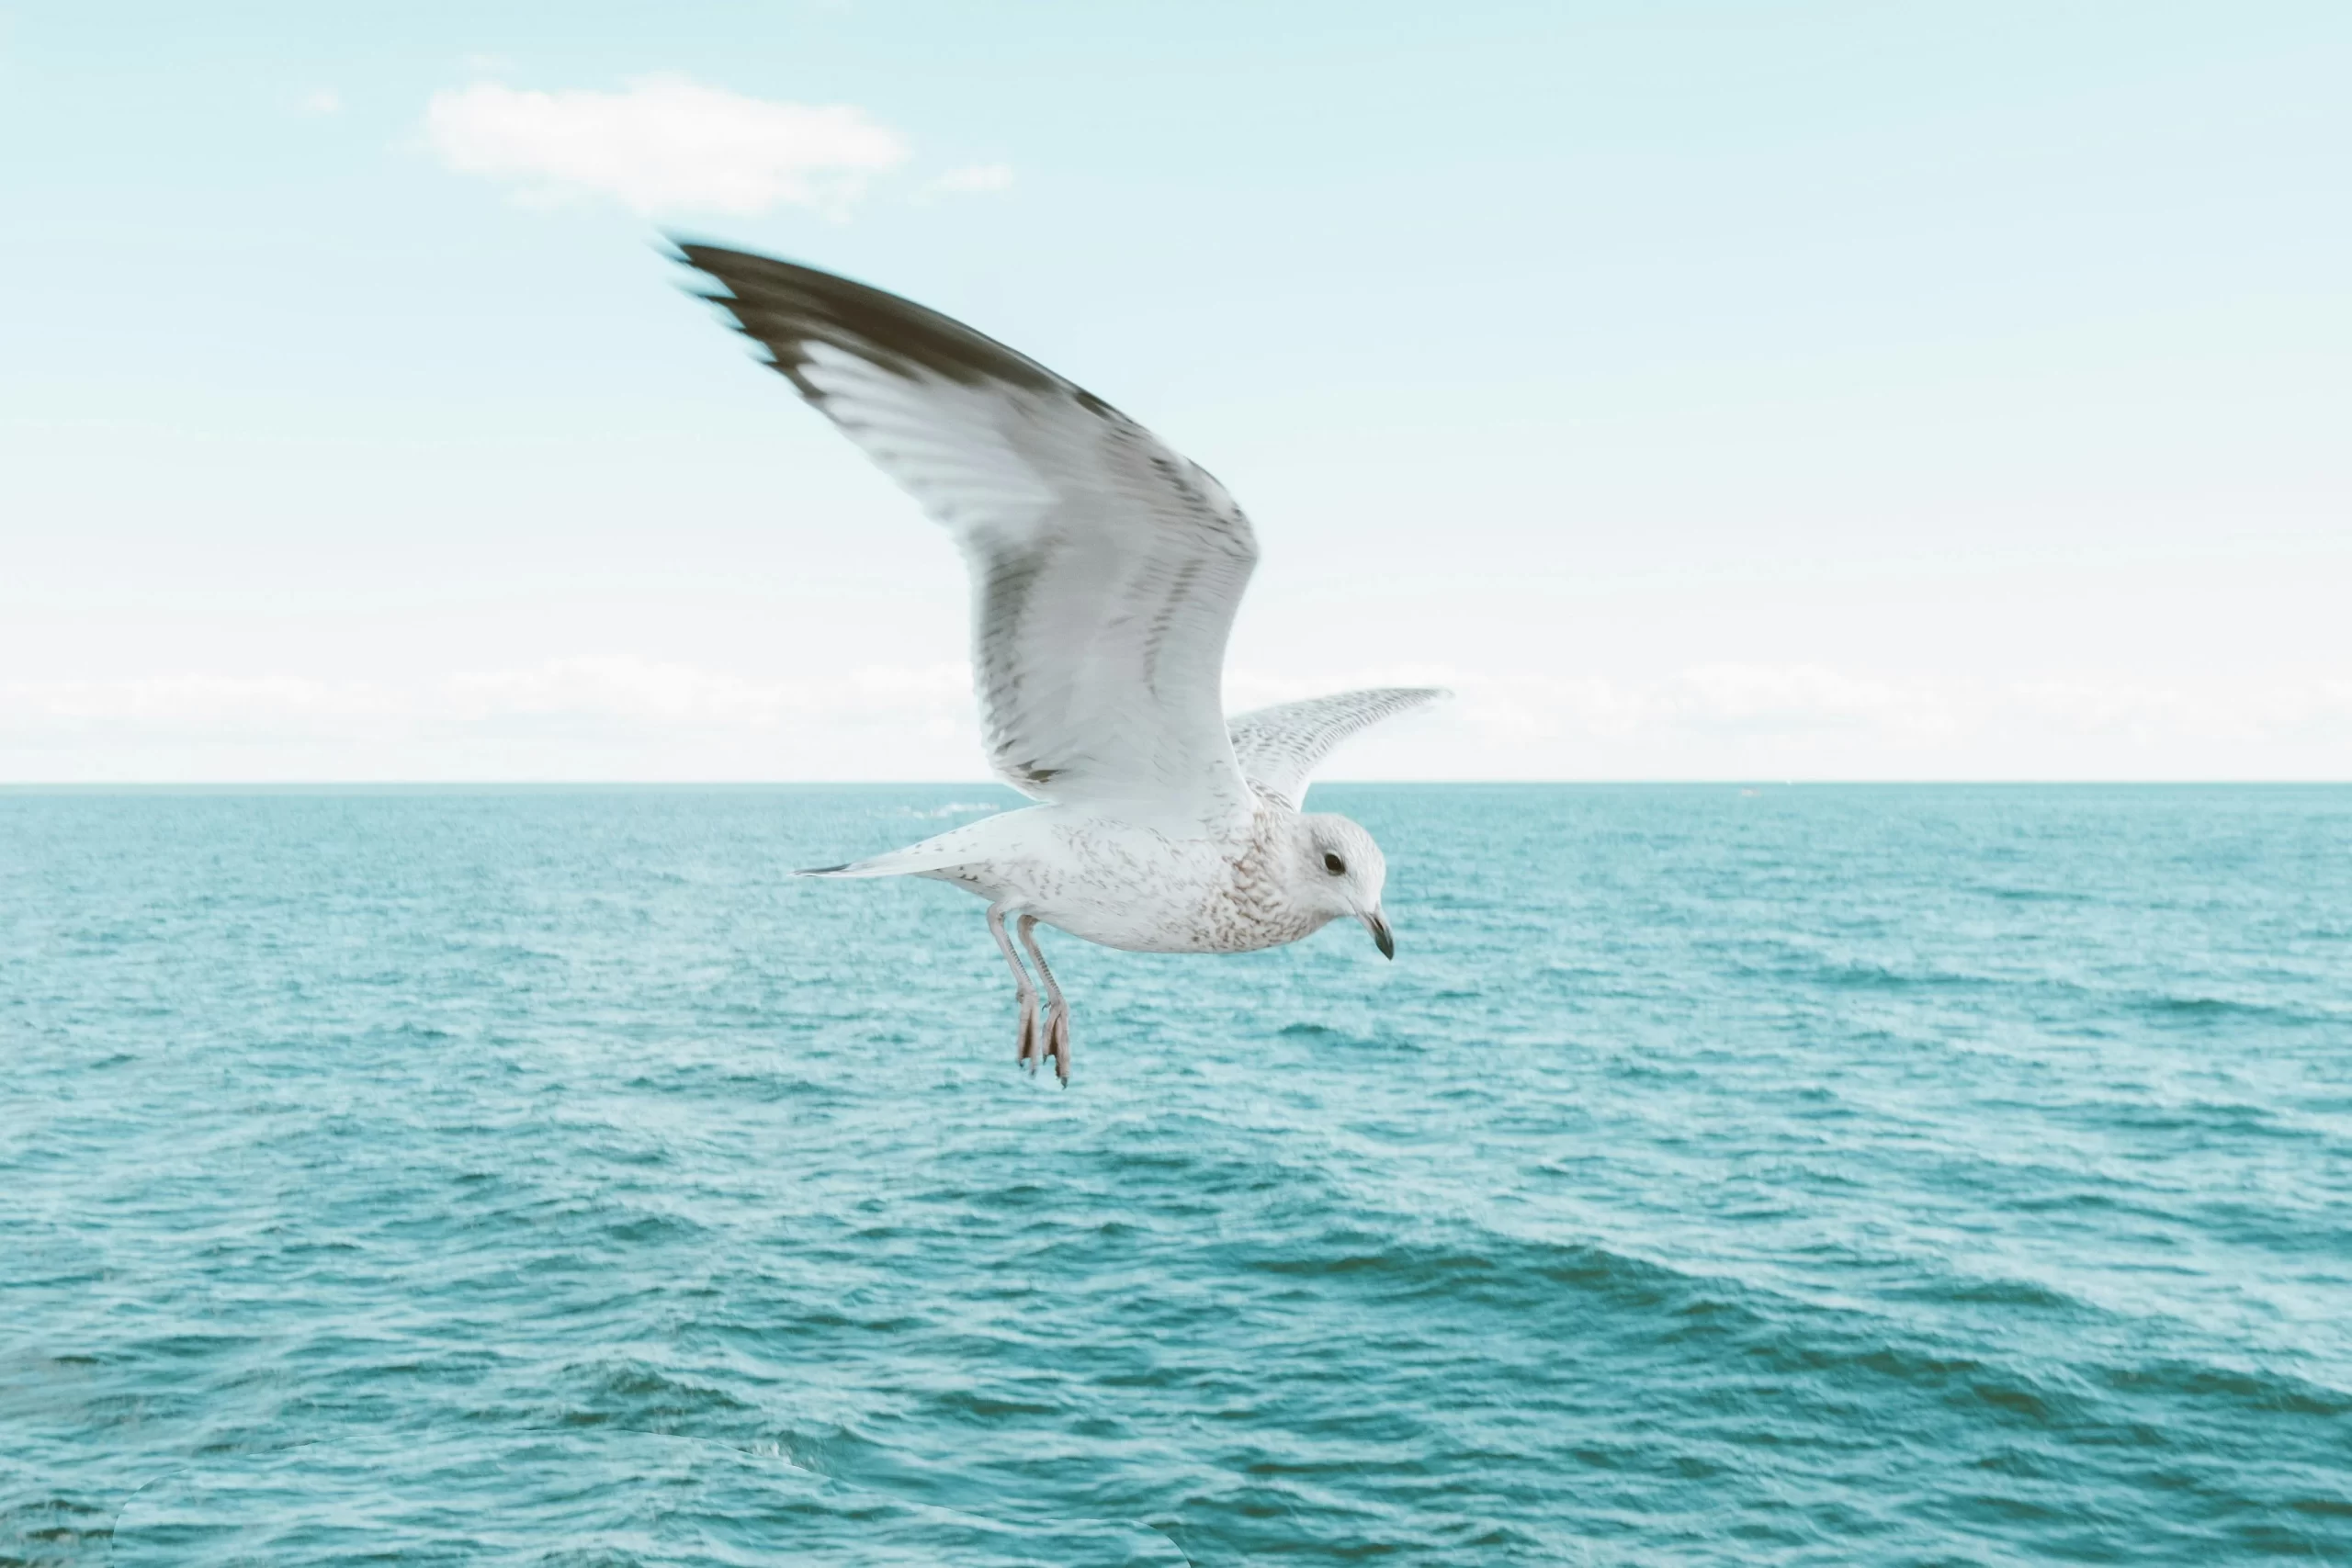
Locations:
(1279, 746)
(1105, 568)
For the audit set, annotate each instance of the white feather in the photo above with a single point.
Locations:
(1280, 747)
(1105, 568)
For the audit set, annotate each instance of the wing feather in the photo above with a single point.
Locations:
(1280, 747)
(1105, 568)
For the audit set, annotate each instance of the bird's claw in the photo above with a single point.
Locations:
(1032, 1036)
(1058, 1043)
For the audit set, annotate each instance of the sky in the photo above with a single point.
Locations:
(1828, 390)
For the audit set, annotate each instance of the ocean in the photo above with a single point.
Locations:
(1720, 1174)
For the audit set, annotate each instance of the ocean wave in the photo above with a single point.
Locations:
(1695, 1188)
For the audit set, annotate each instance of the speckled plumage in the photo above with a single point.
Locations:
(1106, 570)
(1135, 889)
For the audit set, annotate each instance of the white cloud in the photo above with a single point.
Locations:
(625, 718)
(976, 179)
(567, 718)
(636, 694)
(622, 693)
(665, 145)
(1805, 708)
(324, 100)
(228, 707)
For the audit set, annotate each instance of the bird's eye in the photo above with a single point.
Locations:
(1335, 865)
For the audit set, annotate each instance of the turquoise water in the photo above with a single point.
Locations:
(1811, 1175)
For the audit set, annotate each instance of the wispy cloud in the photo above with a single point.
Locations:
(618, 696)
(1900, 715)
(321, 100)
(976, 179)
(567, 719)
(664, 145)
(618, 716)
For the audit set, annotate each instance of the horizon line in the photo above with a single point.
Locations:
(71, 786)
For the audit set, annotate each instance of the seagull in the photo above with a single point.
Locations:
(1105, 573)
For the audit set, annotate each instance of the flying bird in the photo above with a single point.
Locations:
(1105, 571)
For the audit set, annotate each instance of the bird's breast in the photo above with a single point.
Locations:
(1145, 892)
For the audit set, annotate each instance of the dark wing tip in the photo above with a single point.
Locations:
(787, 307)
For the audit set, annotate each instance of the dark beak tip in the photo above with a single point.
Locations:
(1382, 940)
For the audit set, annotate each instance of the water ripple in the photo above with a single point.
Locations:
(1826, 1175)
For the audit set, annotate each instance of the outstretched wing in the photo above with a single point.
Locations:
(1279, 746)
(1105, 568)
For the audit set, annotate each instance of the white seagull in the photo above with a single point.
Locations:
(1105, 573)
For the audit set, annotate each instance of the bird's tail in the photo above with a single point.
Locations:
(928, 858)
(878, 865)
(974, 843)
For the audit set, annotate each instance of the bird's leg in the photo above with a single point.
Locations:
(1032, 1048)
(1057, 1044)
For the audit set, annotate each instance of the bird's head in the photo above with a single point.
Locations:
(1341, 871)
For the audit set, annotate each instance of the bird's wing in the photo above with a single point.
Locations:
(1105, 568)
(1279, 746)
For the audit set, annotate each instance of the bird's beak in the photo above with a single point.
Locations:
(1377, 925)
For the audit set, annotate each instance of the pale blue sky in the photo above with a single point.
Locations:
(1705, 390)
